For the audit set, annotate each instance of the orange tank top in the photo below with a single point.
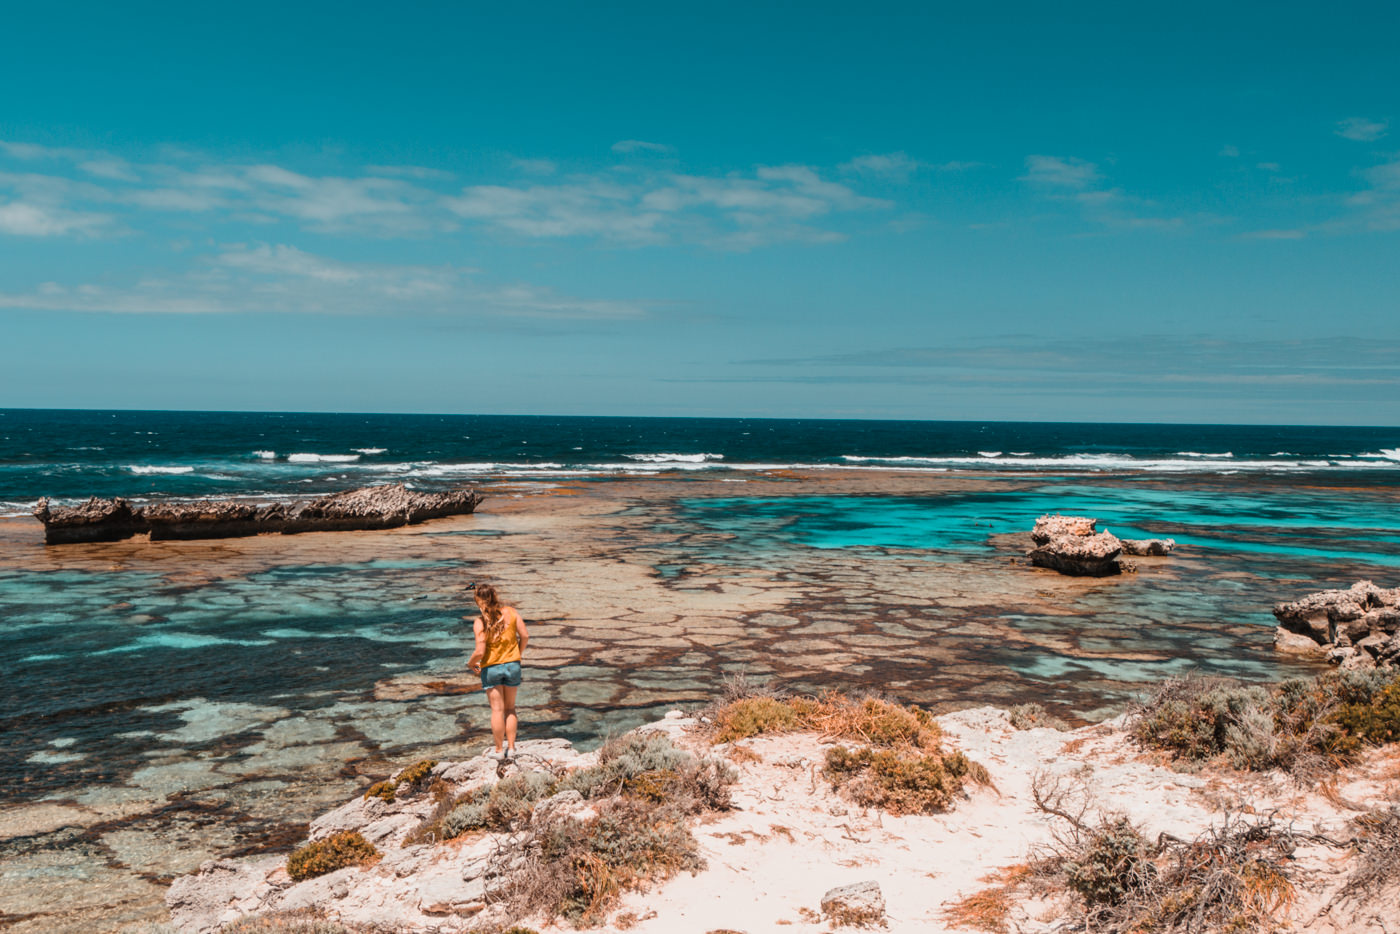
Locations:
(505, 647)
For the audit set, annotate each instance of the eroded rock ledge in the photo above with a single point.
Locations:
(1073, 545)
(374, 507)
(1358, 627)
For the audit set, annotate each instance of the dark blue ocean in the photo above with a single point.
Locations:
(75, 454)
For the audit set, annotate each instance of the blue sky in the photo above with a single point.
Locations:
(1024, 211)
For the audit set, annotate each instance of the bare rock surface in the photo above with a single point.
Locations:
(378, 507)
(1358, 627)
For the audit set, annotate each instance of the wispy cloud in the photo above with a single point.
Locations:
(737, 211)
(1276, 234)
(1362, 129)
(1081, 183)
(95, 193)
(282, 279)
(1061, 172)
(641, 145)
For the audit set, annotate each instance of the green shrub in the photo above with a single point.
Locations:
(1305, 726)
(583, 866)
(1113, 863)
(335, 852)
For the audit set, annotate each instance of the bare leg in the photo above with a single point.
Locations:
(512, 722)
(498, 713)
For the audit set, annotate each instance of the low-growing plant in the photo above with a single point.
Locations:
(1233, 877)
(334, 852)
(870, 720)
(300, 922)
(1377, 844)
(409, 778)
(1034, 716)
(899, 781)
(580, 868)
(1307, 727)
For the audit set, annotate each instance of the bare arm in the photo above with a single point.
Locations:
(478, 653)
(521, 632)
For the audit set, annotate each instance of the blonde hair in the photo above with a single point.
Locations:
(491, 611)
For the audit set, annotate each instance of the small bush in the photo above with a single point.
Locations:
(901, 782)
(622, 760)
(335, 852)
(582, 867)
(1034, 716)
(383, 790)
(1112, 864)
(752, 716)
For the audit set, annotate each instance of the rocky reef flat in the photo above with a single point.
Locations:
(233, 690)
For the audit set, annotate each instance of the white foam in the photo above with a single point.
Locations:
(142, 469)
(265, 455)
(674, 458)
(1199, 454)
(1390, 454)
(371, 450)
(989, 454)
(1117, 462)
(322, 458)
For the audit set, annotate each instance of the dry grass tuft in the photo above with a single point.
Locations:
(1377, 844)
(988, 909)
(869, 720)
(298, 922)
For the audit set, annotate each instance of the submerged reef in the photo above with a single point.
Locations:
(373, 507)
(1072, 545)
(1358, 627)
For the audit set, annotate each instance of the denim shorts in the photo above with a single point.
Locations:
(506, 674)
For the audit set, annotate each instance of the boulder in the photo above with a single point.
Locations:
(1355, 628)
(858, 905)
(1070, 545)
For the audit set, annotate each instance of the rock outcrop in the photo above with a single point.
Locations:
(1073, 545)
(379, 507)
(1355, 628)
(1148, 547)
(1070, 545)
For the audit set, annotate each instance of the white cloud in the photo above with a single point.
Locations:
(1060, 172)
(1230, 152)
(23, 219)
(1362, 129)
(640, 145)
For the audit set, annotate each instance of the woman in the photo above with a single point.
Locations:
(501, 637)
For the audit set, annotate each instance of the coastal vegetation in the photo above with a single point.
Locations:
(410, 777)
(1307, 727)
(335, 852)
(898, 763)
(596, 832)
